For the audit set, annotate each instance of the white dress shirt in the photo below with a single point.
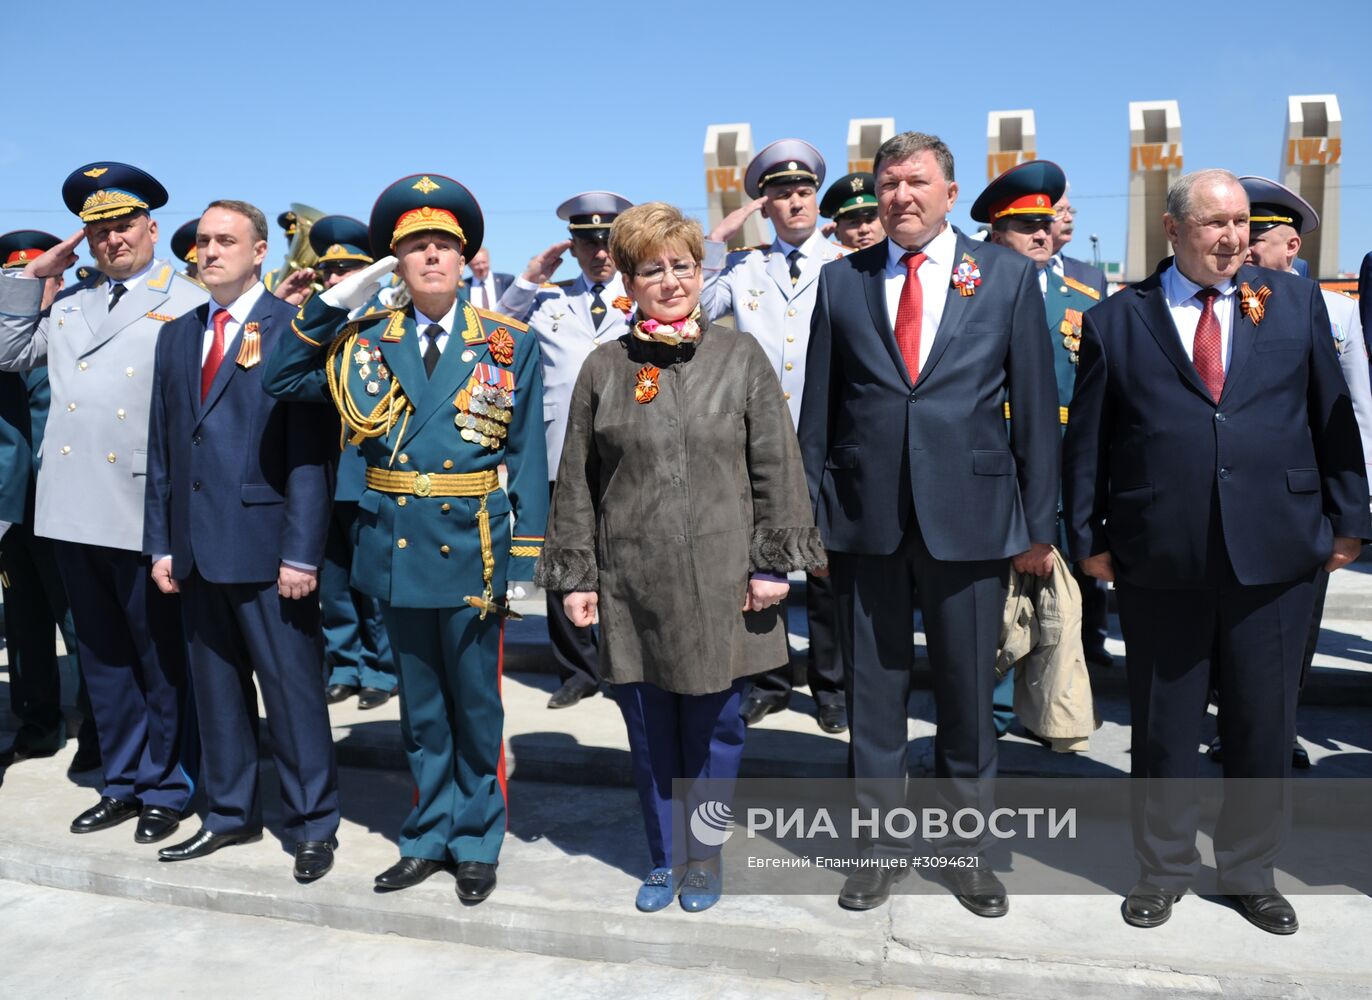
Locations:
(1186, 311)
(1055, 267)
(935, 277)
(423, 322)
(239, 311)
(129, 283)
(475, 288)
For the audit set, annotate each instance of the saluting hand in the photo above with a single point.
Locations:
(52, 263)
(359, 288)
(730, 225)
(295, 289)
(293, 584)
(1346, 550)
(544, 265)
(581, 606)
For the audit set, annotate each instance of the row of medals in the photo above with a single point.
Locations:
(485, 422)
(365, 359)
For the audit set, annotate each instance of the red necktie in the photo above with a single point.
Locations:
(216, 355)
(909, 314)
(1207, 352)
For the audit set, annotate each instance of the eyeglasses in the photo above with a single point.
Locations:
(655, 273)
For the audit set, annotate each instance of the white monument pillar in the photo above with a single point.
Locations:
(865, 136)
(728, 150)
(1311, 166)
(1155, 160)
(1011, 139)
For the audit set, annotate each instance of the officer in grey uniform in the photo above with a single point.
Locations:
(571, 318)
(98, 342)
(771, 293)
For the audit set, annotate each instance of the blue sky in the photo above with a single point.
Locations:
(526, 104)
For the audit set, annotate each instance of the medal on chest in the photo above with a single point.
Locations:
(1070, 328)
(966, 276)
(485, 406)
(370, 368)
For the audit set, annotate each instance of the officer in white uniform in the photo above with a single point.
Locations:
(771, 293)
(571, 318)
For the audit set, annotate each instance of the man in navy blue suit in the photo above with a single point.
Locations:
(916, 344)
(237, 511)
(1212, 465)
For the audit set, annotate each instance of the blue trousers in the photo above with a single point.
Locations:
(132, 652)
(452, 723)
(681, 736)
(355, 644)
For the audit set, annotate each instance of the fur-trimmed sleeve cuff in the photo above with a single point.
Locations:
(564, 571)
(784, 550)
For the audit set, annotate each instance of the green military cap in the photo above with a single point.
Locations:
(425, 203)
(849, 193)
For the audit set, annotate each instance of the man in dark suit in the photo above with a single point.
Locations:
(917, 342)
(1212, 466)
(485, 286)
(237, 509)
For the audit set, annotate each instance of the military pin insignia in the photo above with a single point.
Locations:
(966, 276)
(250, 349)
(468, 355)
(501, 346)
(1340, 338)
(373, 387)
(1253, 304)
(646, 381)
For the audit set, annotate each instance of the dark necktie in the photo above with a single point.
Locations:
(117, 291)
(794, 258)
(1207, 351)
(597, 305)
(485, 302)
(216, 356)
(910, 314)
(432, 353)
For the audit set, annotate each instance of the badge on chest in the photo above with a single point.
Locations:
(370, 368)
(485, 406)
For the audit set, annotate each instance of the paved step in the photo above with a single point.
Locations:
(570, 868)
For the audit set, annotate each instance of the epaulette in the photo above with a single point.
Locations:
(501, 319)
(162, 280)
(551, 284)
(568, 283)
(1084, 289)
(760, 246)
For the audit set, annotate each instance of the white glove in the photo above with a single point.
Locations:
(358, 289)
(515, 591)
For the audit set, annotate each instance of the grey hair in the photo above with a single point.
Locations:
(907, 144)
(1179, 194)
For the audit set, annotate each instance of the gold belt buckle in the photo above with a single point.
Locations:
(422, 486)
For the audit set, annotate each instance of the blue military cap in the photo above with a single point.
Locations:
(1029, 189)
(425, 203)
(288, 223)
(19, 247)
(340, 238)
(183, 241)
(849, 193)
(107, 190)
(1272, 204)
(786, 161)
(592, 210)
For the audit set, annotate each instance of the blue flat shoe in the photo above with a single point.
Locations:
(657, 891)
(701, 889)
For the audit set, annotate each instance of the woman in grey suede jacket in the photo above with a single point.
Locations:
(680, 507)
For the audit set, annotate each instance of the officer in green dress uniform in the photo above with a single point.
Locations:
(1018, 205)
(438, 394)
(851, 202)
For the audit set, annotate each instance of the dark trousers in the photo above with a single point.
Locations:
(35, 604)
(236, 630)
(689, 737)
(1095, 611)
(576, 649)
(356, 647)
(823, 661)
(132, 651)
(1312, 640)
(1251, 639)
(451, 722)
(962, 604)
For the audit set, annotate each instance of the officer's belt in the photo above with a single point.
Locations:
(434, 484)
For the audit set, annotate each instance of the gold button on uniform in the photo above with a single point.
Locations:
(110, 458)
(791, 339)
(401, 501)
(787, 395)
(789, 366)
(447, 463)
(120, 414)
(128, 372)
(401, 543)
(66, 449)
(71, 407)
(790, 312)
(444, 549)
(404, 458)
(446, 507)
(83, 366)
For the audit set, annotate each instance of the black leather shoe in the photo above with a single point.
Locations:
(335, 693)
(1270, 911)
(407, 872)
(1148, 906)
(205, 843)
(104, 814)
(1300, 758)
(978, 890)
(475, 880)
(373, 697)
(867, 888)
(156, 823)
(571, 692)
(755, 709)
(833, 718)
(86, 758)
(313, 859)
